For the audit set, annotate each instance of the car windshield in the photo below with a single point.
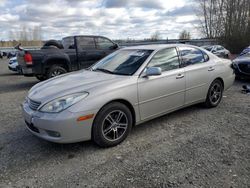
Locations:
(247, 54)
(123, 62)
(208, 48)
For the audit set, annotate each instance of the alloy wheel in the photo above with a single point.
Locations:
(56, 72)
(215, 93)
(114, 125)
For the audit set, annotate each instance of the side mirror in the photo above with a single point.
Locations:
(115, 46)
(152, 71)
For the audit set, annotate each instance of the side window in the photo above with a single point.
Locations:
(84, 43)
(68, 43)
(191, 56)
(103, 43)
(166, 59)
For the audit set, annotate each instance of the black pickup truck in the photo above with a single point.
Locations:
(71, 54)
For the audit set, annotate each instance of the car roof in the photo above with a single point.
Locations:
(157, 46)
(84, 36)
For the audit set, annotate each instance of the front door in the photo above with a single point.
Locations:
(105, 46)
(163, 93)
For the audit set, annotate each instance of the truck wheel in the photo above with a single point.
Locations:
(56, 70)
(41, 77)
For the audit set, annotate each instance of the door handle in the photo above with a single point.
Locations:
(179, 76)
(210, 69)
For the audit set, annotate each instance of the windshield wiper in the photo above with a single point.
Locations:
(104, 70)
(109, 72)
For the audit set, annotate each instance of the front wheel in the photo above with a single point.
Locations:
(112, 125)
(214, 94)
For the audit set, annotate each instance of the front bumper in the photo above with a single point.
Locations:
(12, 68)
(60, 127)
(241, 73)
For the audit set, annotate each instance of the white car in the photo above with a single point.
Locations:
(218, 50)
(126, 88)
(13, 65)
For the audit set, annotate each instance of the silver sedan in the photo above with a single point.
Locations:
(126, 88)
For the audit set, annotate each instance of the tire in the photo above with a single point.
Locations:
(214, 94)
(55, 70)
(52, 43)
(107, 134)
(41, 77)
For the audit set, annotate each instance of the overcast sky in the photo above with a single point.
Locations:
(117, 19)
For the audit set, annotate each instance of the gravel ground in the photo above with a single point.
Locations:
(193, 147)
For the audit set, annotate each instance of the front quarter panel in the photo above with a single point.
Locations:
(125, 89)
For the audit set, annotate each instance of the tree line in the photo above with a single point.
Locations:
(26, 36)
(226, 20)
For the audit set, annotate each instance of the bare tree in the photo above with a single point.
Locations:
(37, 33)
(24, 34)
(226, 20)
(27, 37)
(155, 36)
(185, 35)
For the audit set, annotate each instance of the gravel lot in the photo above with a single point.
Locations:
(193, 147)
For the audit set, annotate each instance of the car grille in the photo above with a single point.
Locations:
(33, 104)
(244, 68)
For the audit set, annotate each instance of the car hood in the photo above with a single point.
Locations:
(242, 60)
(13, 59)
(79, 81)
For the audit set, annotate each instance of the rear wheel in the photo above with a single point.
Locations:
(112, 125)
(56, 70)
(41, 77)
(214, 94)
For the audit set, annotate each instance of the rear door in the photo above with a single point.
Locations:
(198, 71)
(165, 92)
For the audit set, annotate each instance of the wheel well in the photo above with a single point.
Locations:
(221, 80)
(61, 62)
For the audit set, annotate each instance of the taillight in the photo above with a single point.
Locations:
(28, 59)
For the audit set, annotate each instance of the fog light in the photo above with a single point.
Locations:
(53, 133)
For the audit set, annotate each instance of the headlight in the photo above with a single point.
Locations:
(60, 104)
